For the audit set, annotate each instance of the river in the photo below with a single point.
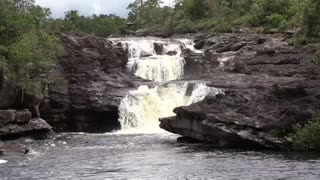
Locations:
(150, 156)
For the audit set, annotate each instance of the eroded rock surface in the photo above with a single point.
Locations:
(270, 87)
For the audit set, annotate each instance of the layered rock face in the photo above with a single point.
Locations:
(19, 113)
(270, 87)
(92, 81)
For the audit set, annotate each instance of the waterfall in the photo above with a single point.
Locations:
(141, 109)
(148, 62)
(158, 60)
(157, 68)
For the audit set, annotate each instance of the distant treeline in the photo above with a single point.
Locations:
(261, 16)
(100, 25)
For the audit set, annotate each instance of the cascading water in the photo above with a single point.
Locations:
(157, 68)
(142, 108)
(157, 60)
(146, 63)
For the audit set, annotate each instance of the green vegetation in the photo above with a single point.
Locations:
(28, 45)
(99, 25)
(308, 137)
(261, 16)
(27, 49)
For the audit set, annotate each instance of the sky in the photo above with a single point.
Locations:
(89, 7)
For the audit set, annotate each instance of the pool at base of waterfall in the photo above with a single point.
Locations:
(151, 156)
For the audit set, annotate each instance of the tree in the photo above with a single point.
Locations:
(27, 49)
(146, 13)
(195, 9)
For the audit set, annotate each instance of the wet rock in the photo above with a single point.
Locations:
(172, 53)
(199, 44)
(158, 48)
(23, 116)
(208, 42)
(35, 128)
(145, 54)
(7, 116)
(187, 140)
(199, 64)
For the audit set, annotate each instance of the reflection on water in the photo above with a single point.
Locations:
(150, 156)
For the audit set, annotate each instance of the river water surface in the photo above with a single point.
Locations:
(149, 156)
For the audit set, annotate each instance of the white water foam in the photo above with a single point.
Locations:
(3, 161)
(157, 68)
(145, 63)
(141, 109)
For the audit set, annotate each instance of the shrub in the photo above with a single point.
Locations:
(308, 137)
(276, 21)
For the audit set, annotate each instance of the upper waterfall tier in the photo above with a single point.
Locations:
(155, 59)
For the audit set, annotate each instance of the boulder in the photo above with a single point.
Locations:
(145, 54)
(36, 128)
(22, 116)
(172, 53)
(7, 116)
(158, 48)
(14, 117)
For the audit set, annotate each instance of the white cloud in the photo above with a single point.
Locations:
(88, 7)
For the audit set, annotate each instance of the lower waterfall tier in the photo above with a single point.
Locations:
(141, 109)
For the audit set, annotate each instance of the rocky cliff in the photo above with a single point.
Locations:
(93, 80)
(270, 87)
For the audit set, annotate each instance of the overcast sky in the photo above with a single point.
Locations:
(88, 7)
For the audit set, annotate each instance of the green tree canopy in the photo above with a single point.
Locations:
(27, 48)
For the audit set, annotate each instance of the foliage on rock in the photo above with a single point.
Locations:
(308, 137)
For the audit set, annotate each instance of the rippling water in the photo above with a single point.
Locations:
(150, 156)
